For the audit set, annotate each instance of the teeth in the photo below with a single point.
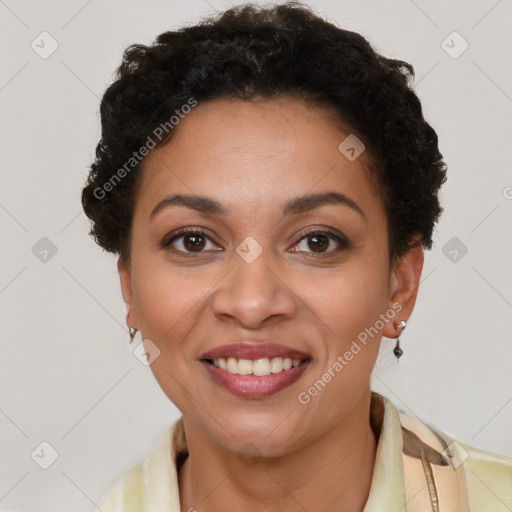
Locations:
(245, 367)
(276, 365)
(232, 365)
(258, 367)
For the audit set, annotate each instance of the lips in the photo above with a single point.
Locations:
(253, 350)
(250, 386)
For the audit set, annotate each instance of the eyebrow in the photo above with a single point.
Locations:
(295, 206)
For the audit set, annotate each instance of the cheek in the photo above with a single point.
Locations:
(352, 307)
(166, 303)
(166, 300)
(351, 297)
(351, 303)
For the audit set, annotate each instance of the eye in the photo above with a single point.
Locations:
(191, 240)
(194, 240)
(318, 241)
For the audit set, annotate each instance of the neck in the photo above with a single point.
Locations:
(336, 468)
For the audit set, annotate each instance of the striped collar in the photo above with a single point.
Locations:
(417, 468)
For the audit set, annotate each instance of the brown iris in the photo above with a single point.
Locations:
(193, 242)
(318, 244)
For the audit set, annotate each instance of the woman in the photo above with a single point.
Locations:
(269, 184)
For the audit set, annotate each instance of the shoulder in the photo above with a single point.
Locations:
(488, 475)
(151, 484)
(478, 459)
(484, 477)
(125, 493)
(460, 472)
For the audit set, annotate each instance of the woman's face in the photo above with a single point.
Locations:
(262, 271)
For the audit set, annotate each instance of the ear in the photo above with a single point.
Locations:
(404, 283)
(126, 290)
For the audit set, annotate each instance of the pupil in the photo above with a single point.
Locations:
(194, 242)
(316, 244)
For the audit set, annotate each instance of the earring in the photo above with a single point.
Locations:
(399, 326)
(132, 332)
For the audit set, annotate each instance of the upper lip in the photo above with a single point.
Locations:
(254, 350)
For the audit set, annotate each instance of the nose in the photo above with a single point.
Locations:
(255, 291)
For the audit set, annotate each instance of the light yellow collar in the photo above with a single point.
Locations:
(160, 480)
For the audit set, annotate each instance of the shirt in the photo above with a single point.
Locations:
(418, 468)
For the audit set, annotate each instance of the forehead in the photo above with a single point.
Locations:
(251, 154)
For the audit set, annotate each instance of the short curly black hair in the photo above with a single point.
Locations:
(250, 52)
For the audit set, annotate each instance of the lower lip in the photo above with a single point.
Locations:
(252, 386)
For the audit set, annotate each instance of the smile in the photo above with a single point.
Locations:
(258, 367)
(255, 378)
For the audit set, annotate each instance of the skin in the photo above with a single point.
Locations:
(252, 157)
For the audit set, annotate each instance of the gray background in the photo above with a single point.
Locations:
(68, 376)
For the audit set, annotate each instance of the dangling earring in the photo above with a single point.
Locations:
(132, 332)
(399, 326)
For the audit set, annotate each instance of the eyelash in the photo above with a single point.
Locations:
(343, 242)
